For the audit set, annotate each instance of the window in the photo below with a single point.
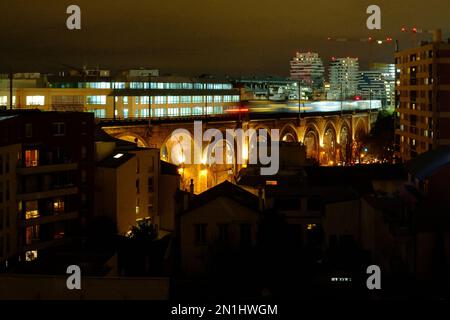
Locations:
(99, 113)
(217, 99)
(31, 210)
(35, 100)
(83, 152)
(58, 128)
(200, 234)
(218, 110)
(32, 234)
(58, 206)
(150, 185)
(145, 100)
(185, 99)
(31, 158)
(31, 255)
(185, 111)
(160, 100)
(137, 186)
(197, 110)
(236, 98)
(98, 85)
(144, 113)
(125, 100)
(96, 100)
(3, 100)
(223, 233)
(125, 113)
(197, 99)
(173, 99)
(28, 130)
(173, 112)
(246, 235)
(159, 112)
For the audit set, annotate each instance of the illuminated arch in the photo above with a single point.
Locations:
(132, 137)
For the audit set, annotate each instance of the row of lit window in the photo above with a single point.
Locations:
(101, 100)
(157, 85)
(162, 112)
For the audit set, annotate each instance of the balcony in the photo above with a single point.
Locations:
(48, 168)
(39, 245)
(50, 219)
(37, 195)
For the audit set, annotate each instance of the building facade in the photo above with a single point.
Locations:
(132, 94)
(308, 69)
(423, 98)
(46, 181)
(344, 77)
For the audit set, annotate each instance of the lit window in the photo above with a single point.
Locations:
(58, 206)
(3, 100)
(31, 255)
(31, 158)
(311, 226)
(35, 100)
(31, 210)
(118, 156)
(96, 100)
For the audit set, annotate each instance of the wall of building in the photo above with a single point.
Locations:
(8, 204)
(222, 210)
(27, 287)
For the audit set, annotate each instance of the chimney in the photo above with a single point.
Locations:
(437, 35)
(191, 189)
(261, 199)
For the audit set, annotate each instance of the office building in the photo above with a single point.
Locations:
(387, 71)
(371, 86)
(131, 94)
(308, 69)
(344, 77)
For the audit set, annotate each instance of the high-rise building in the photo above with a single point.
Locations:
(387, 71)
(308, 69)
(46, 180)
(371, 86)
(423, 97)
(344, 77)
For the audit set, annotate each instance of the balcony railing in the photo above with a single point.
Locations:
(50, 219)
(47, 168)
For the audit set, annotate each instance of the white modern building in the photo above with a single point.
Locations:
(308, 69)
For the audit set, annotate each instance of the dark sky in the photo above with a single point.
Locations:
(191, 37)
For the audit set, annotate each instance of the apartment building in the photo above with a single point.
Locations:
(423, 97)
(46, 178)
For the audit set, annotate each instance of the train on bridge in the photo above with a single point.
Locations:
(292, 106)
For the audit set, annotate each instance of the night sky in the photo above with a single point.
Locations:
(190, 37)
